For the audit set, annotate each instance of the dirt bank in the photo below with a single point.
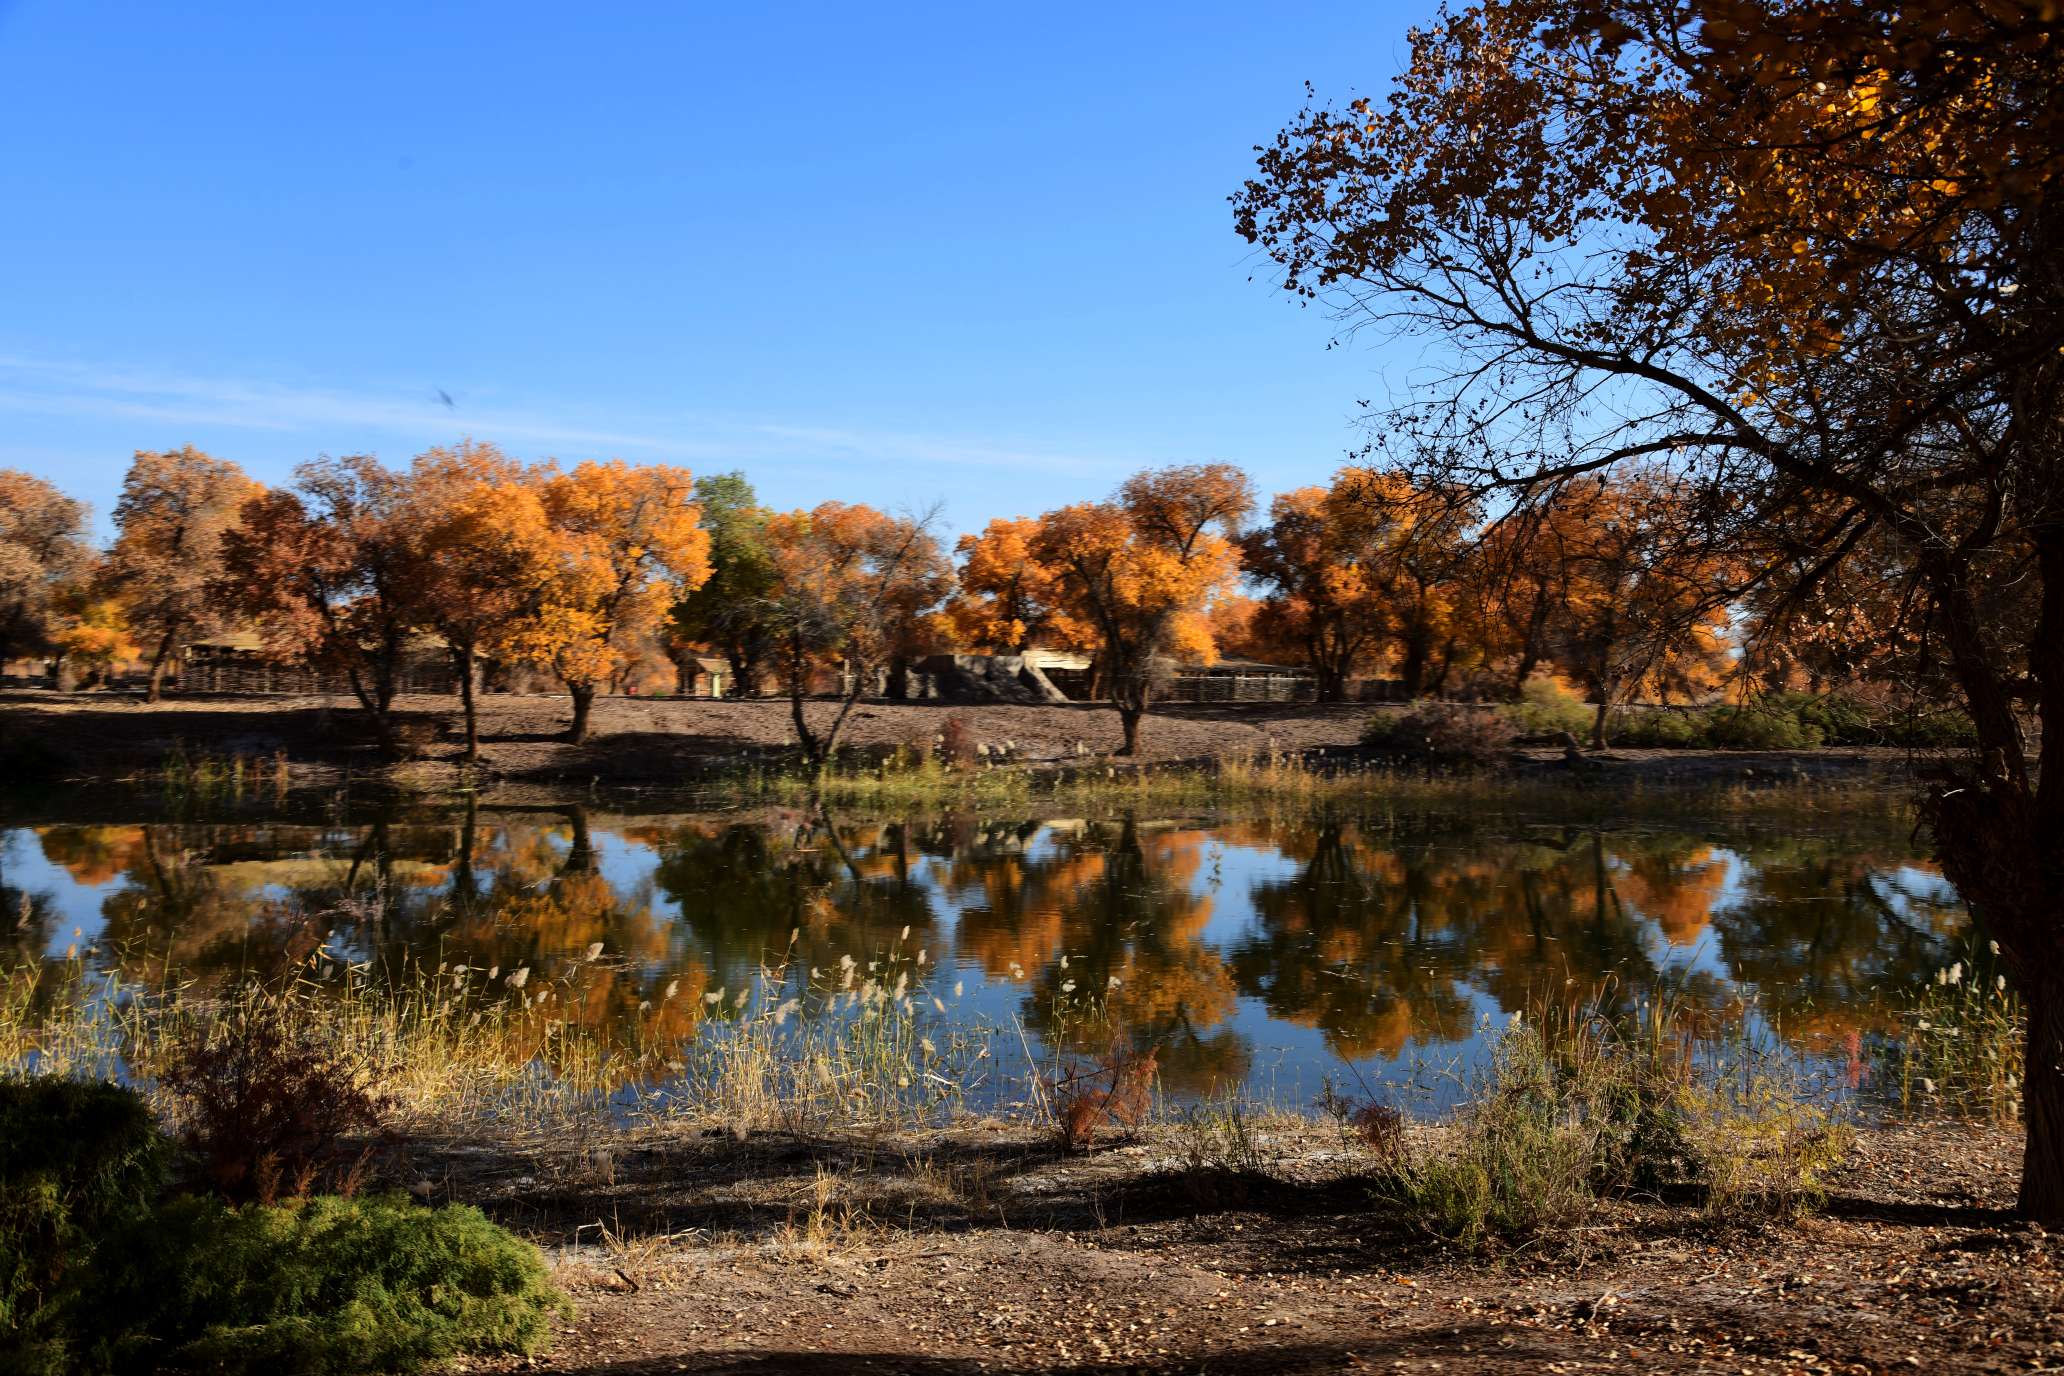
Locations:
(991, 1251)
(675, 740)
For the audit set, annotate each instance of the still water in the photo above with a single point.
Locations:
(1272, 954)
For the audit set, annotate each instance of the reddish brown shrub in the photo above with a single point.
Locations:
(1115, 1093)
(1382, 1130)
(270, 1108)
(957, 742)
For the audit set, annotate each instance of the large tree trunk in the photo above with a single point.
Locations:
(1129, 722)
(464, 664)
(1598, 721)
(2000, 838)
(2042, 1096)
(159, 659)
(1412, 671)
(583, 704)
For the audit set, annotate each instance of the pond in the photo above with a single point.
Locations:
(1274, 954)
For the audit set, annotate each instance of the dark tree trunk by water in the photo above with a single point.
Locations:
(159, 659)
(465, 665)
(583, 705)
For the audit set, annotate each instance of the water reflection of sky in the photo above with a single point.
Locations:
(1282, 955)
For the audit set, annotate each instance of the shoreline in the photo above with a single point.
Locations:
(741, 748)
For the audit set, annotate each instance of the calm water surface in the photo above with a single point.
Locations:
(1268, 953)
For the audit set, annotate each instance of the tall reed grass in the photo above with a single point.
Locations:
(1960, 1042)
(464, 1049)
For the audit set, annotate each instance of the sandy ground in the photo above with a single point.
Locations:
(993, 1252)
(659, 740)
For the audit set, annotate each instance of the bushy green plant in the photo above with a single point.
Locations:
(1661, 729)
(1547, 708)
(1840, 719)
(1759, 727)
(318, 1286)
(75, 1159)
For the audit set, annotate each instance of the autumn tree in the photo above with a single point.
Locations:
(89, 630)
(725, 613)
(1643, 601)
(175, 506)
(850, 587)
(1801, 254)
(1006, 600)
(1142, 568)
(1367, 564)
(626, 542)
(43, 548)
(328, 572)
(483, 550)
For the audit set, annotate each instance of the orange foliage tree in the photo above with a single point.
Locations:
(169, 522)
(43, 547)
(327, 571)
(1367, 564)
(626, 543)
(483, 552)
(850, 589)
(1801, 253)
(1142, 570)
(1643, 601)
(89, 630)
(1006, 600)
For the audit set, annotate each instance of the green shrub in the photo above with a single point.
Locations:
(1840, 719)
(322, 1285)
(1660, 729)
(1759, 727)
(75, 1159)
(1546, 708)
(1944, 729)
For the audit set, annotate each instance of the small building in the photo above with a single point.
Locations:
(238, 662)
(703, 676)
(1241, 680)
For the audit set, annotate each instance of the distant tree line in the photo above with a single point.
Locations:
(598, 573)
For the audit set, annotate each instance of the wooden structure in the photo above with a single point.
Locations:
(238, 663)
(1240, 680)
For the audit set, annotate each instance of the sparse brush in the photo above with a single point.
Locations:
(269, 1104)
(1960, 1043)
(1585, 1106)
(1220, 1138)
(1112, 1095)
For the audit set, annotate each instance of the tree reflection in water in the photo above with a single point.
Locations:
(1213, 943)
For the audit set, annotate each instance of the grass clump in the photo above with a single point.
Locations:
(1960, 1043)
(322, 1285)
(1588, 1108)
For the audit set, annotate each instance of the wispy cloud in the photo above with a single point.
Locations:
(39, 386)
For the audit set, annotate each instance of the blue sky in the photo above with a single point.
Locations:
(892, 254)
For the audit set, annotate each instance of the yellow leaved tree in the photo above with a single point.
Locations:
(625, 544)
(1142, 570)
